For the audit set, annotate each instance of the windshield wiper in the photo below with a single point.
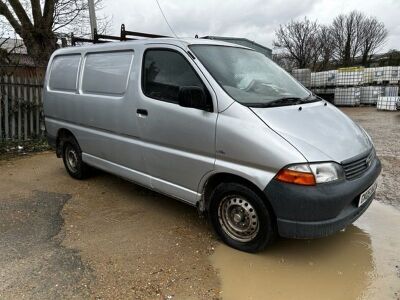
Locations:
(278, 102)
(310, 98)
(285, 101)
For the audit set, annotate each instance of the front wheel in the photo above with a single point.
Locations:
(72, 158)
(241, 217)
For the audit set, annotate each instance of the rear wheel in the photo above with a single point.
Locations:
(241, 217)
(72, 158)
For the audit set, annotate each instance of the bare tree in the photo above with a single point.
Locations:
(347, 36)
(3, 50)
(326, 49)
(8, 46)
(356, 35)
(393, 57)
(38, 22)
(299, 39)
(284, 60)
(373, 36)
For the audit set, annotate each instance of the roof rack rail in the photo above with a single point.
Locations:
(103, 38)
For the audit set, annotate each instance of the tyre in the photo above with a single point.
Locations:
(72, 158)
(241, 218)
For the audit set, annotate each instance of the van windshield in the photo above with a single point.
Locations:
(250, 77)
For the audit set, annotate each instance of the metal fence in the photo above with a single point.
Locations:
(21, 106)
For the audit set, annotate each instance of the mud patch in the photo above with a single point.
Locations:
(139, 244)
(33, 264)
(357, 263)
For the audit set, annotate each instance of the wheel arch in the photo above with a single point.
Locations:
(62, 133)
(215, 179)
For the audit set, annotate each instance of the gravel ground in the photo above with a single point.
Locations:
(107, 238)
(384, 128)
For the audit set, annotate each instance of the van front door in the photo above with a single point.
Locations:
(178, 142)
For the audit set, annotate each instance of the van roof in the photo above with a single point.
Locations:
(171, 41)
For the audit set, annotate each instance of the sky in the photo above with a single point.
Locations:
(256, 20)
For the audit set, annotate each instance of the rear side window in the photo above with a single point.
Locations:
(64, 72)
(106, 73)
(165, 72)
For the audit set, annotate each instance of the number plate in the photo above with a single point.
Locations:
(367, 194)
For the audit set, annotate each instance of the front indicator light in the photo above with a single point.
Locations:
(296, 177)
(311, 173)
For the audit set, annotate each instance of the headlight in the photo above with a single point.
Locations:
(326, 172)
(310, 173)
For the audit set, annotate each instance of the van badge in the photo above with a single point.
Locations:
(368, 160)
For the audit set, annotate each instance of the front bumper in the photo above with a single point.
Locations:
(317, 211)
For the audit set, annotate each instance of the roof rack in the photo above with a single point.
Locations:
(103, 38)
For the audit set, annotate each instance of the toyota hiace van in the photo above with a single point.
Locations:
(216, 125)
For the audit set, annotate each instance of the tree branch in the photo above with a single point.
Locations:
(21, 13)
(48, 12)
(4, 11)
(36, 11)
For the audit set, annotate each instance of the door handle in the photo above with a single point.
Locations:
(142, 112)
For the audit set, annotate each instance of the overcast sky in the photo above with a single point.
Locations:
(252, 19)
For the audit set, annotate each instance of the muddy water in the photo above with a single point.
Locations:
(358, 263)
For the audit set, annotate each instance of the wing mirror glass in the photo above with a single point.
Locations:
(194, 97)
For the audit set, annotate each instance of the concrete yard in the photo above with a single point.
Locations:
(106, 238)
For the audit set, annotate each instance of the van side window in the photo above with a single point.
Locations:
(64, 72)
(106, 72)
(165, 72)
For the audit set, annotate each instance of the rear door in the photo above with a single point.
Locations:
(179, 142)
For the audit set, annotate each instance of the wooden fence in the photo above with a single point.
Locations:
(21, 107)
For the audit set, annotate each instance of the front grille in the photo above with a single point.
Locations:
(356, 166)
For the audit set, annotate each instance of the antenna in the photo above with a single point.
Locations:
(166, 21)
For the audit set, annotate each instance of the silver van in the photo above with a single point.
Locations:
(216, 125)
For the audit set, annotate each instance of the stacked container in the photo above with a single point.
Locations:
(314, 80)
(370, 94)
(303, 76)
(387, 103)
(324, 79)
(368, 75)
(348, 96)
(391, 91)
(350, 77)
(386, 75)
(355, 85)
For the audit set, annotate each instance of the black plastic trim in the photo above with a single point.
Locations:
(314, 211)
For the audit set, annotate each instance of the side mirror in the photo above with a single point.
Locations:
(194, 97)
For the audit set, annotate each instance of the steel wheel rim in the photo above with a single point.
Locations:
(238, 218)
(71, 159)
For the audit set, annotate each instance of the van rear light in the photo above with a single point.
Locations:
(296, 177)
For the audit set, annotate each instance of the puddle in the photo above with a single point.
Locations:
(359, 263)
